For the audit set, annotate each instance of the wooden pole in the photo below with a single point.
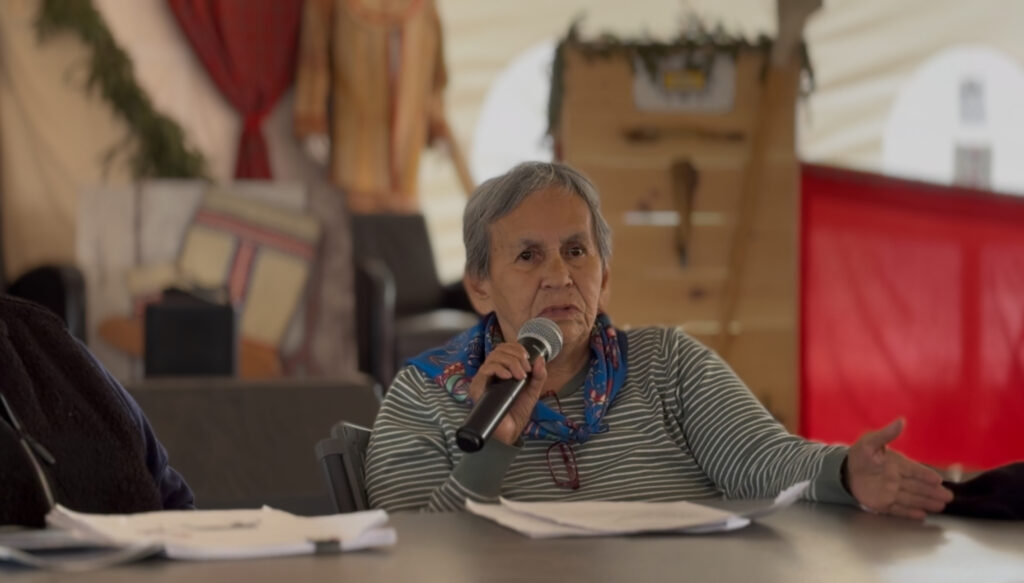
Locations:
(780, 90)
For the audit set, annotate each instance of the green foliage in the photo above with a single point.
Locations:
(156, 147)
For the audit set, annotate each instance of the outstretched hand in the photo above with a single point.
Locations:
(887, 482)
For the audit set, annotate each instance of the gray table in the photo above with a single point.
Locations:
(803, 543)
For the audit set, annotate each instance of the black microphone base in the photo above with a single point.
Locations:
(468, 440)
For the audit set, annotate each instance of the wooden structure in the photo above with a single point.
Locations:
(701, 193)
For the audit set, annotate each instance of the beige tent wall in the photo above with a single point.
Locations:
(167, 67)
(864, 50)
(53, 137)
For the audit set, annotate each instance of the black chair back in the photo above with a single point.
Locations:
(242, 444)
(402, 243)
(401, 307)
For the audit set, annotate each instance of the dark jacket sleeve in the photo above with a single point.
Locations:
(174, 492)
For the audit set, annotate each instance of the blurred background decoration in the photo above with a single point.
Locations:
(157, 143)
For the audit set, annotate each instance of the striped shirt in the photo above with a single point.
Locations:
(683, 426)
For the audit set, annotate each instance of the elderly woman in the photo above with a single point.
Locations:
(645, 414)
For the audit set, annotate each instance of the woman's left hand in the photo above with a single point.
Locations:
(886, 481)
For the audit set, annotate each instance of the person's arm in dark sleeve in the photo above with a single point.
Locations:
(174, 492)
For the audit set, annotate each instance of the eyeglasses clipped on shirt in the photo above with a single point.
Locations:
(565, 474)
(34, 450)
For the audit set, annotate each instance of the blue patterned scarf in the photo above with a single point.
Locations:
(453, 366)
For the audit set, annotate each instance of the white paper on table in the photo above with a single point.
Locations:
(785, 498)
(524, 523)
(232, 534)
(565, 519)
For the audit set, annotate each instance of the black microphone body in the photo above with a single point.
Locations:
(496, 401)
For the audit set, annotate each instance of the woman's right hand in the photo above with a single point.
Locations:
(507, 361)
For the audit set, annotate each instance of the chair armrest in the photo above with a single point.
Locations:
(375, 319)
(330, 453)
(61, 288)
(342, 457)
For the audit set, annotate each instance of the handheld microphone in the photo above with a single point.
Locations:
(540, 337)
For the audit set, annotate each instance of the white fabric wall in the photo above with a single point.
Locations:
(865, 50)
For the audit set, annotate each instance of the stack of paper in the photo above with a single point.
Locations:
(230, 534)
(564, 519)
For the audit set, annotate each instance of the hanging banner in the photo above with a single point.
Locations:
(912, 305)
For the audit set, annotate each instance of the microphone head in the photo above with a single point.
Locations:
(544, 331)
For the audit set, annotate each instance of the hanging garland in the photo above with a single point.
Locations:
(158, 142)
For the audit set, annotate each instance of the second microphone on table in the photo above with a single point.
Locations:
(540, 337)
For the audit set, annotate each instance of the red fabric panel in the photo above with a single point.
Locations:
(912, 305)
(249, 49)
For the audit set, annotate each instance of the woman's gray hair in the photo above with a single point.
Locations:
(501, 195)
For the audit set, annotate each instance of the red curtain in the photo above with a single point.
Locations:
(248, 47)
(913, 306)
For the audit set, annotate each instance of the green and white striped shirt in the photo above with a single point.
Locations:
(683, 426)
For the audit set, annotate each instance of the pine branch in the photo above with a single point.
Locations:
(158, 148)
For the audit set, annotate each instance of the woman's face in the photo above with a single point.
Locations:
(544, 262)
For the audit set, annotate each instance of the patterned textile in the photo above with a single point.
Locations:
(261, 254)
(378, 68)
(454, 365)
